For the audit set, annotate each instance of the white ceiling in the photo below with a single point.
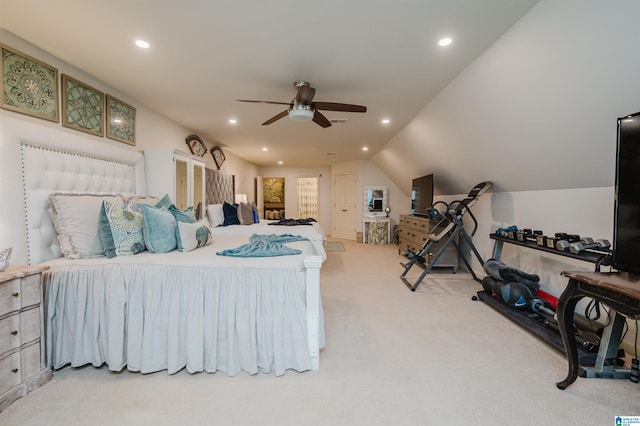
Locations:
(206, 54)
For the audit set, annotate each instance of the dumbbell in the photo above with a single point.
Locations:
(580, 246)
(527, 234)
(551, 241)
(563, 245)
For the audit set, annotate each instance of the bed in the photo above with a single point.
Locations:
(220, 189)
(150, 312)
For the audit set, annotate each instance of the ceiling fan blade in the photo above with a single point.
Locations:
(276, 117)
(320, 119)
(305, 95)
(333, 106)
(263, 102)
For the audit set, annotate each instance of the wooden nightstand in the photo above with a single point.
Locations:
(22, 354)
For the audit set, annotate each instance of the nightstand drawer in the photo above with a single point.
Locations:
(18, 329)
(10, 374)
(10, 293)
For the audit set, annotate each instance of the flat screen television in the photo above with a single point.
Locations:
(421, 195)
(626, 227)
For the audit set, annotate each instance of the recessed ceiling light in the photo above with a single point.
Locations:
(232, 121)
(386, 121)
(280, 162)
(143, 44)
(445, 41)
(365, 148)
(264, 148)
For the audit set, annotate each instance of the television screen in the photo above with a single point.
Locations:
(626, 227)
(421, 195)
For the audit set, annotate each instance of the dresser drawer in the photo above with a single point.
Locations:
(10, 296)
(19, 292)
(18, 329)
(10, 372)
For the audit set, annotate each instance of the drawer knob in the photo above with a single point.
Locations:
(16, 294)
(14, 333)
(14, 370)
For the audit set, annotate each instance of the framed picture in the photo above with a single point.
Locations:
(82, 107)
(218, 156)
(196, 146)
(28, 85)
(121, 121)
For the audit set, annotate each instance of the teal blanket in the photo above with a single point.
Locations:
(265, 246)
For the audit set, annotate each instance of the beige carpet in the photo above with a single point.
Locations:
(393, 357)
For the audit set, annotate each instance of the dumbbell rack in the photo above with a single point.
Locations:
(597, 257)
(527, 319)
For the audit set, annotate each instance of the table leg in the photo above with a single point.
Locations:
(566, 307)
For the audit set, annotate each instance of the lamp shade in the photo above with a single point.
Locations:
(241, 198)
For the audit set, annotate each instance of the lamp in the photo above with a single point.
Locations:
(387, 210)
(300, 112)
(241, 198)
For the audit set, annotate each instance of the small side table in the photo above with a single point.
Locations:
(22, 352)
(376, 230)
(620, 291)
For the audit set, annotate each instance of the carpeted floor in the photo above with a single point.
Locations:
(392, 357)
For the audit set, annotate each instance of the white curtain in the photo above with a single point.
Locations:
(308, 198)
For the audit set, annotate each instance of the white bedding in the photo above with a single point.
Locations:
(152, 312)
(263, 227)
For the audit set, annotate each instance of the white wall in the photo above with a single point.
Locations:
(536, 111)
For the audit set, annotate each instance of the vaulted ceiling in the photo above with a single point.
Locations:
(204, 55)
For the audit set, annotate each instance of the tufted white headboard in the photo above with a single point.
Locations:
(46, 170)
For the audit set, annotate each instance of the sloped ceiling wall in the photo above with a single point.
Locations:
(537, 111)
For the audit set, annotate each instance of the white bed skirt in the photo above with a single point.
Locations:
(169, 318)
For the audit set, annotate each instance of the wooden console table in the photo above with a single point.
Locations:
(621, 293)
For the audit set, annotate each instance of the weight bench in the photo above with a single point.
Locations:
(449, 226)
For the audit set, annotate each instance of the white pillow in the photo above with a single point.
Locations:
(215, 215)
(190, 236)
(76, 220)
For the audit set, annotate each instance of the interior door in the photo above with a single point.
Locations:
(345, 192)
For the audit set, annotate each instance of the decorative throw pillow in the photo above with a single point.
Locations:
(76, 218)
(185, 215)
(164, 201)
(230, 214)
(190, 236)
(159, 228)
(133, 202)
(254, 211)
(246, 213)
(215, 215)
(126, 230)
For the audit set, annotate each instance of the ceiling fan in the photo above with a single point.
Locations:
(302, 107)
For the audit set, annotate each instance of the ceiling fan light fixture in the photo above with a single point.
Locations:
(300, 112)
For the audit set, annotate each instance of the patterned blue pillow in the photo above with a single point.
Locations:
(159, 227)
(126, 230)
(190, 236)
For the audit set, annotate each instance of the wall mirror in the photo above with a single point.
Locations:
(375, 200)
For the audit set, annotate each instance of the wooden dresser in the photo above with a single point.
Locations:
(413, 231)
(22, 355)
